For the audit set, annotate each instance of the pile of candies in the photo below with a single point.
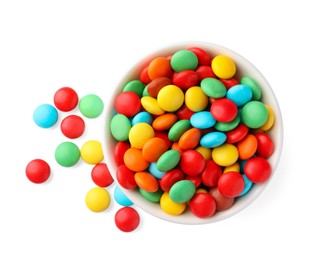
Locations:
(67, 154)
(191, 134)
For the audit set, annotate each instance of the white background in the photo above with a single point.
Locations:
(88, 45)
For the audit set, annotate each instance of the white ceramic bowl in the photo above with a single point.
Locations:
(244, 68)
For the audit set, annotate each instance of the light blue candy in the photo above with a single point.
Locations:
(202, 120)
(45, 115)
(121, 198)
(142, 117)
(153, 169)
(213, 139)
(239, 94)
(247, 185)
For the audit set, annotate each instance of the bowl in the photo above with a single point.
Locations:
(245, 68)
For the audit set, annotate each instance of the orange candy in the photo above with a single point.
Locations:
(190, 139)
(164, 122)
(175, 146)
(247, 147)
(159, 67)
(134, 160)
(153, 149)
(146, 181)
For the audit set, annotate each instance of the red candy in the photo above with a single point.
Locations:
(119, 151)
(228, 83)
(127, 103)
(186, 79)
(203, 57)
(126, 177)
(237, 134)
(72, 126)
(211, 174)
(192, 163)
(156, 85)
(37, 171)
(144, 76)
(127, 219)
(222, 202)
(101, 175)
(66, 99)
(224, 110)
(184, 113)
(231, 184)
(258, 170)
(265, 146)
(205, 72)
(203, 205)
(170, 178)
(195, 179)
(164, 136)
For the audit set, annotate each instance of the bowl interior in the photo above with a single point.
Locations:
(244, 68)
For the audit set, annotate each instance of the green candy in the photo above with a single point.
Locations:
(256, 91)
(151, 196)
(224, 127)
(254, 114)
(67, 154)
(168, 160)
(184, 60)
(134, 86)
(120, 127)
(213, 88)
(145, 92)
(182, 191)
(91, 106)
(179, 128)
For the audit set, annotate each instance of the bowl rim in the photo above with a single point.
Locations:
(251, 196)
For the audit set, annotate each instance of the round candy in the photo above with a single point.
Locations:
(142, 117)
(120, 127)
(213, 139)
(265, 146)
(91, 106)
(144, 76)
(222, 202)
(192, 163)
(127, 103)
(171, 207)
(170, 98)
(237, 134)
(126, 177)
(213, 88)
(72, 126)
(134, 160)
(182, 191)
(224, 127)
(223, 66)
(195, 99)
(247, 147)
(66, 99)
(164, 122)
(224, 110)
(256, 91)
(153, 149)
(258, 170)
(67, 154)
(179, 128)
(156, 85)
(205, 72)
(235, 167)
(203, 205)
(159, 67)
(92, 152)
(231, 184)
(170, 178)
(151, 196)
(153, 169)
(98, 199)
(203, 56)
(127, 219)
(254, 114)
(202, 120)
(239, 94)
(184, 113)
(119, 151)
(190, 139)
(45, 115)
(168, 160)
(211, 174)
(184, 60)
(247, 185)
(151, 105)
(121, 198)
(37, 171)
(228, 83)
(225, 155)
(205, 152)
(101, 175)
(270, 120)
(134, 86)
(146, 181)
(139, 134)
(185, 79)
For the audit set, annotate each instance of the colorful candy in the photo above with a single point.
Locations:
(92, 152)
(91, 106)
(101, 175)
(194, 136)
(67, 154)
(98, 199)
(127, 219)
(66, 99)
(72, 126)
(37, 171)
(45, 115)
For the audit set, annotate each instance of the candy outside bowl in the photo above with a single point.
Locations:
(244, 68)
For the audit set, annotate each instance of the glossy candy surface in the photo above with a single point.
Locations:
(37, 171)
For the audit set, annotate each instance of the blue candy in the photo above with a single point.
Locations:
(45, 115)
(239, 94)
(202, 120)
(213, 139)
(247, 185)
(121, 198)
(142, 117)
(153, 169)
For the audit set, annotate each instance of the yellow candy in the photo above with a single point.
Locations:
(195, 99)
(270, 120)
(225, 155)
(205, 152)
(232, 168)
(92, 152)
(170, 98)
(151, 105)
(223, 66)
(200, 190)
(98, 199)
(171, 207)
(139, 134)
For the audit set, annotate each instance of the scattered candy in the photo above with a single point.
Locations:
(92, 152)
(37, 171)
(91, 106)
(127, 219)
(67, 154)
(101, 176)
(72, 126)
(121, 198)
(66, 99)
(98, 199)
(45, 115)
